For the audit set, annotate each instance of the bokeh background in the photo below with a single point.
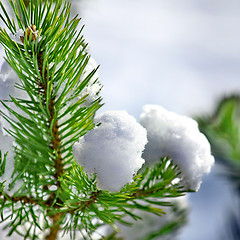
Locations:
(183, 55)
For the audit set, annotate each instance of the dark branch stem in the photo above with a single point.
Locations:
(84, 204)
(56, 218)
(22, 199)
(55, 145)
(55, 226)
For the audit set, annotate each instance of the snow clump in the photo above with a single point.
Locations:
(113, 149)
(178, 137)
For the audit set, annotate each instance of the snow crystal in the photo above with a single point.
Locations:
(17, 36)
(112, 150)
(178, 137)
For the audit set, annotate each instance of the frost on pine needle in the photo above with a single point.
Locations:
(19, 36)
(112, 149)
(178, 137)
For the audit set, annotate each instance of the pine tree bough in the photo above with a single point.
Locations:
(55, 143)
(73, 171)
(24, 199)
(55, 226)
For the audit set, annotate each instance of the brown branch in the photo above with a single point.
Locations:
(55, 226)
(143, 193)
(56, 218)
(55, 145)
(79, 206)
(22, 199)
(56, 141)
(27, 200)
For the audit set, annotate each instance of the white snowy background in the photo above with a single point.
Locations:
(183, 55)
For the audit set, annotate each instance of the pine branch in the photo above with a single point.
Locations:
(22, 199)
(39, 128)
(84, 205)
(55, 226)
(50, 59)
(146, 193)
(52, 123)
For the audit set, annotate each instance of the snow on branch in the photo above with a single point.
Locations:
(178, 137)
(112, 150)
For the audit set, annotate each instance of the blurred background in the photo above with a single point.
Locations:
(185, 56)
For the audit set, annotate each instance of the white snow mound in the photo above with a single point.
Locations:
(112, 150)
(178, 137)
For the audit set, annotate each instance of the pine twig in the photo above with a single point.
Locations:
(22, 199)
